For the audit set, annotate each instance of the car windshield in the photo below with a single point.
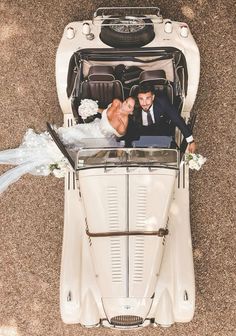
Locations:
(127, 157)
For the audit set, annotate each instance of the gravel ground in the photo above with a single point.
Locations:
(32, 209)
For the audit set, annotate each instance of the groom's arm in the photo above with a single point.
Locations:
(172, 114)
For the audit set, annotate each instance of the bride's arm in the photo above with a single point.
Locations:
(122, 126)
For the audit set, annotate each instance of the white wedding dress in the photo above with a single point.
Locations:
(38, 151)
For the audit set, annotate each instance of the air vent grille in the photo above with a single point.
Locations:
(138, 259)
(141, 207)
(112, 204)
(126, 320)
(116, 265)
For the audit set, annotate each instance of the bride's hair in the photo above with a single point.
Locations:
(92, 118)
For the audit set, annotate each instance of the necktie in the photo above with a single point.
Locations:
(149, 118)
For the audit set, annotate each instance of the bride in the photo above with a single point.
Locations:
(113, 123)
(39, 155)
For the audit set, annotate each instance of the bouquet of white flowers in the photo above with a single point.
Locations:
(60, 168)
(194, 161)
(87, 108)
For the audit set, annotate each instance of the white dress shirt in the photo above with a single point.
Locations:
(144, 116)
(145, 122)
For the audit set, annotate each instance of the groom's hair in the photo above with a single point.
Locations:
(144, 88)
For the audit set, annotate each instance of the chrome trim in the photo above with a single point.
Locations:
(127, 239)
(69, 296)
(185, 295)
(74, 181)
(160, 233)
(126, 320)
(68, 180)
(184, 176)
(103, 13)
(127, 166)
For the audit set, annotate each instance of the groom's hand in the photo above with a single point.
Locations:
(192, 147)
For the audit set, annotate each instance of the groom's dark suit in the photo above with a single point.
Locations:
(164, 113)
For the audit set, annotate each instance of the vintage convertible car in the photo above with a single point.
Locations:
(127, 254)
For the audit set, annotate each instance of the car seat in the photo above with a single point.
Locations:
(156, 78)
(102, 86)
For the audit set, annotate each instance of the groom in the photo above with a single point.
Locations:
(153, 115)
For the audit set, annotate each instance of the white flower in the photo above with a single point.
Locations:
(63, 163)
(194, 161)
(87, 108)
(201, 159)
(59, 168)
(59, 173)
(193, 165)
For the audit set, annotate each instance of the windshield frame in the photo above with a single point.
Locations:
(127, 157)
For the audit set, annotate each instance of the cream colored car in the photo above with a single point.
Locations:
(127, 253)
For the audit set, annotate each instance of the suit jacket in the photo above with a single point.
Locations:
(166, 118)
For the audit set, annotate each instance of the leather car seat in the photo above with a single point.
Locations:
(102, 86)
(157, 78)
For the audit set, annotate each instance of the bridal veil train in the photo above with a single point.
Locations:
(39, 155)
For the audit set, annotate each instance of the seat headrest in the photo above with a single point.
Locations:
(101, 73)
(153, 76)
